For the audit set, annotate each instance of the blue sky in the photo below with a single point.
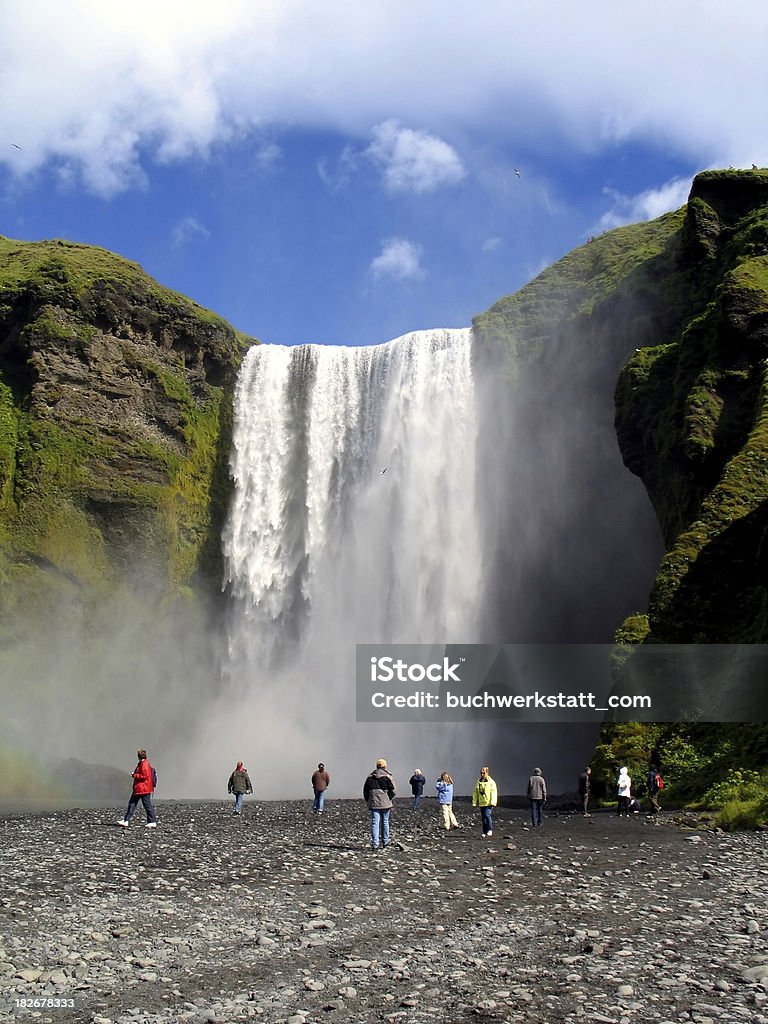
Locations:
(346, 172)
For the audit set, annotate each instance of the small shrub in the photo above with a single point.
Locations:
(743, 814)
(741, 785)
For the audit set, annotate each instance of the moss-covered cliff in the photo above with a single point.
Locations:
(115, 411)
(683, 302)
(679, 307)
(692, 422)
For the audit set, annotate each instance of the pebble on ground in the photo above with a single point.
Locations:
(286, 917)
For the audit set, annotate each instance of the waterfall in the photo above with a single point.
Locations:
(353, 518)
(408, 493)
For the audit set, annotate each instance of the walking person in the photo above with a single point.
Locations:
(484, 796)
(537, 794)
(321, 780)
(239, 785)
(585, 790)
(144, 782)
(655, 784)
(417, 781)
(624, 792)
(444, 787)
(379, 792)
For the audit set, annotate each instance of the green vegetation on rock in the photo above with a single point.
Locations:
(682, 303)
(115, 421)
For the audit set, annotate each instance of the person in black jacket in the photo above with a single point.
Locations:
(585, 788)
(378, 793)
(417, 781)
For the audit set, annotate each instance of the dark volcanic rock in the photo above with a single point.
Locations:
(283, 916)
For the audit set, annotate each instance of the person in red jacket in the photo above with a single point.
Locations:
(143, 788)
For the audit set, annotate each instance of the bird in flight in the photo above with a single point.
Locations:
(15, 146)
(384, 470)
(517, 172)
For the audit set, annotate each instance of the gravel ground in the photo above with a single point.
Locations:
(283, 916)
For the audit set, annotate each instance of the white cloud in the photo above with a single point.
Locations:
(267, 155)
(645, 205)
(338, 175)
(491, 243)
(399, 259)
(187, 229)
(103, 90)
(413, 161)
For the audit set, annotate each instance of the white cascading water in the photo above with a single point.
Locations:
(353, 521)
(353, 517)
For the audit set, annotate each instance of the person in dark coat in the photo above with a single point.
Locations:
(321, 780)
(585, 788)
(654, 788)
(239, 784)
(378, 793)
(537, 794)
(143, 787)
(417, 781)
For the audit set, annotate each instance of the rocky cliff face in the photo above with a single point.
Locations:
(693, 424)
(114, 416)
(115, 413)
(678, 308)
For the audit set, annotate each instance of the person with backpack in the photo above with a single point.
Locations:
(239, 785)
(144, 782)
(655, 783)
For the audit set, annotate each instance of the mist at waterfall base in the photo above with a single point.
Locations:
(411, 493)
(99, 682)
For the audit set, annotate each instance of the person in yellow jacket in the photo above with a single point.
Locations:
(485, 796)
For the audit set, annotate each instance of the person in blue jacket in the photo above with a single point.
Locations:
(444, 787)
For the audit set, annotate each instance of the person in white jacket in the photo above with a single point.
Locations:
(624, 791)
